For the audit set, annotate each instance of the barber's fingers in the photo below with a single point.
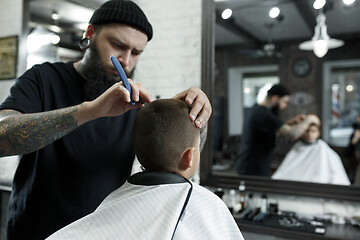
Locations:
(123, 96)
(116, 100)
(314, 119)
(139, 93)
(144, 94)
(301, 116)
(188, 95)
(118, 89)
(200, 105)
(113, 102)
(203, 117)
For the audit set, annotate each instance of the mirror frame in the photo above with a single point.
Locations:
(253, 184)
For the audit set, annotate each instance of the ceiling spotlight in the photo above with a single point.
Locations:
(55, 28)
(274, 12)
(226, 13)
(349, 88)
(319, 4)
(55, 39)
(321, 42)
(55, 15)
(247, 90)
(348, 2)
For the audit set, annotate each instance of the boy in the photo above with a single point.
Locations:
(160, 203)
(312, 160)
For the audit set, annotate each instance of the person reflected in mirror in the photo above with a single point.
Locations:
(71, 123)
(160, 202)
(312, 160)
(352, 151)
(261, 125)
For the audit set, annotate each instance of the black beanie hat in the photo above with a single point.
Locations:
(122, 11)
(278, 89)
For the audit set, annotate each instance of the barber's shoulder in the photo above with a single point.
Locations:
(47, 66)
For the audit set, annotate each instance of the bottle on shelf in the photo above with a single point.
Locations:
(219, 192)
(250, 201)
(242, 191)
(264, 203)
(232, 201)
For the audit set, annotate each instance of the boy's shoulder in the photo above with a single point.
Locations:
(201, 190)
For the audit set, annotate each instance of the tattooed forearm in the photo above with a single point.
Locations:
(24, 133)
(5, 113)
(203, 134)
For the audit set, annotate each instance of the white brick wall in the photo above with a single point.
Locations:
(10, 25)
(10, 17)
(171, 61)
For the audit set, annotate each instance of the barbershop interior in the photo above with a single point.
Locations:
(235, 51)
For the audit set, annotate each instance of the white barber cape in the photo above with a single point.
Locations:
(153, 205)
(315, 162)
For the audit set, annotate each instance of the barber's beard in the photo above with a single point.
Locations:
(276, 110)
(96, 79)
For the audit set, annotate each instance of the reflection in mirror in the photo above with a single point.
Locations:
(55, 28)
(312, 160)
(254, 84)
(253, 51)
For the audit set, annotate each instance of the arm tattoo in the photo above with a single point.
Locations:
(203, 134)
(24, 133)
(6, 112)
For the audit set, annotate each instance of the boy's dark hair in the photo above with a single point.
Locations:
(162, 132)
(278, 89)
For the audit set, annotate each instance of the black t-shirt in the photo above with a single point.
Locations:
(257, 142)
(69, 178)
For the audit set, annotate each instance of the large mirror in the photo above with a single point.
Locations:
(254, 51)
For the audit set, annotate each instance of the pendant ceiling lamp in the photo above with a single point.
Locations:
(321, 42)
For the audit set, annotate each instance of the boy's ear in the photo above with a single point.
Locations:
(187, 157)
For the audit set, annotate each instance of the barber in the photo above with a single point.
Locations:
(72, 122)
(260, 127)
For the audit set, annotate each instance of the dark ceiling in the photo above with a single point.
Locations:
(250, 23)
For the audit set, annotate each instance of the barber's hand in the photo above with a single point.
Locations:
(201, 108)
(313, 119)
(297, 119)
(116, 100)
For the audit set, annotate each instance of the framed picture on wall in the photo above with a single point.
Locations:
(8, 57)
